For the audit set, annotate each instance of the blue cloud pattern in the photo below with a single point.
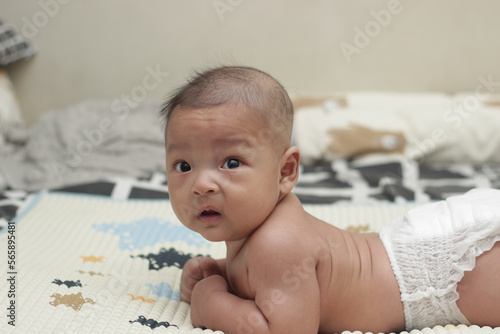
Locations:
(164, 290)
(149, 231)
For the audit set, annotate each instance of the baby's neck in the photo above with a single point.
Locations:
(284, 205)
(233, 248)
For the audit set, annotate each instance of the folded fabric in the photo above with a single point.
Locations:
(86, 142)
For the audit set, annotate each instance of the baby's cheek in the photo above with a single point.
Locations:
(181, 209)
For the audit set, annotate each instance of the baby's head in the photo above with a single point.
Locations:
(243, 87)
(228, 155)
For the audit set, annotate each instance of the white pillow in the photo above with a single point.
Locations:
(462, 129)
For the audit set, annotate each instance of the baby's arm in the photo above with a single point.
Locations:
(196, 269)
(286, 301)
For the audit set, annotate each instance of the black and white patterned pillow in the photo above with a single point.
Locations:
(13, 46)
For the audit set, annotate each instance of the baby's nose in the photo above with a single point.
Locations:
(205, 184)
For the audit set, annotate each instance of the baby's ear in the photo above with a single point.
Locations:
(289, 165)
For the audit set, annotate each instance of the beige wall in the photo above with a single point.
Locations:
(130, 49)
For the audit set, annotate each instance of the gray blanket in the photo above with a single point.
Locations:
(87, 142)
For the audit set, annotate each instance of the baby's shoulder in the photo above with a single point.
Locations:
(289, 229)
(280, 235)
(271, 234)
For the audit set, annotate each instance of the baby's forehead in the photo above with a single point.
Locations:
(229, 120)
(238, 111)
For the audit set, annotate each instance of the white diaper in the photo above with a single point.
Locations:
(431, 246)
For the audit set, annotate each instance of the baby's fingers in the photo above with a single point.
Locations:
(187, 291)
(208, 267)
(192, 269)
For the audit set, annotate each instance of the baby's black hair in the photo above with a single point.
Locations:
(238, 85)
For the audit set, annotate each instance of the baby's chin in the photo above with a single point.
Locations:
(211, 236)
(215, 237)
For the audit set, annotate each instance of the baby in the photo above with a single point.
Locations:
(231, 171)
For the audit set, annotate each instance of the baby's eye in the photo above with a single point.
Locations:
(182, 167)
(231, 163)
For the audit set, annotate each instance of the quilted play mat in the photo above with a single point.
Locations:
(94, 264)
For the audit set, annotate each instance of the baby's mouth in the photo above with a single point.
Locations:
(209, 215)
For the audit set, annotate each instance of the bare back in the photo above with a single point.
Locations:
(355, 284)
(360, 292)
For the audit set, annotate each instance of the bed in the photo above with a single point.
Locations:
(100, 250)
(91, 244)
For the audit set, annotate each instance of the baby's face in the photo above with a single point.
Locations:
(222, 170)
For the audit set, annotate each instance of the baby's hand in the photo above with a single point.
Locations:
(194, 271)
(201, 297)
